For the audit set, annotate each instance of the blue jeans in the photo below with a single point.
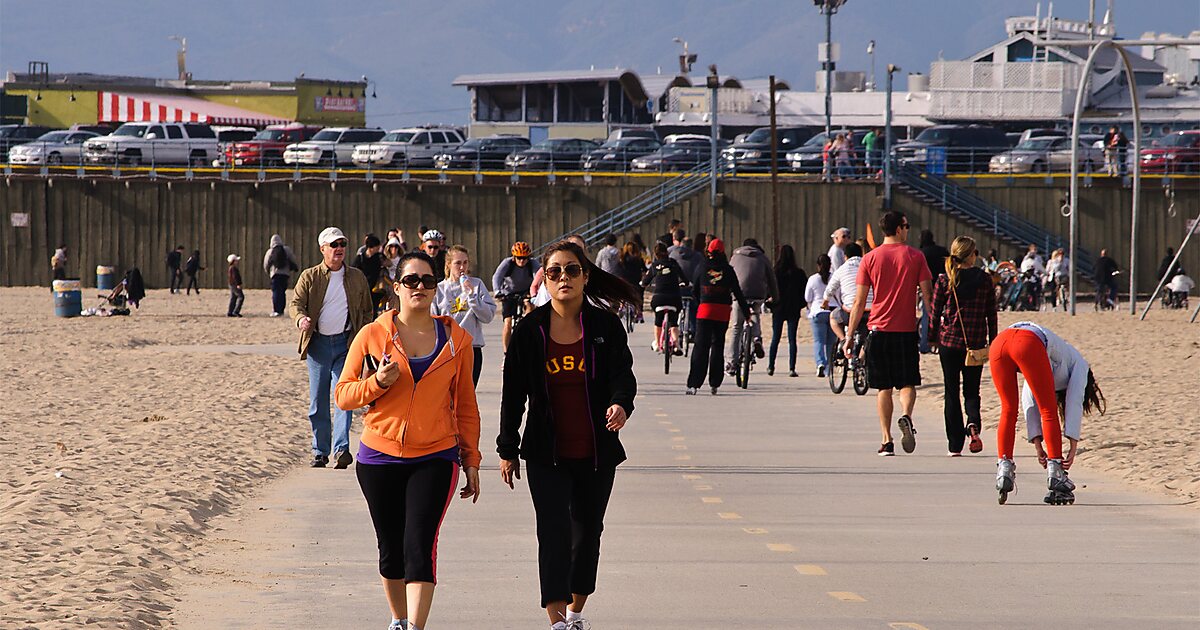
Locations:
(777, 323)
(923, 344)
(821, 338)
(326, 355)
(279, 284)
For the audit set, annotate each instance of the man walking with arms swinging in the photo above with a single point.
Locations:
(894, 271)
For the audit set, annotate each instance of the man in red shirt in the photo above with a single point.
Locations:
(894, 271)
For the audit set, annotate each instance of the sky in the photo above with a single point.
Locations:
(413, 49)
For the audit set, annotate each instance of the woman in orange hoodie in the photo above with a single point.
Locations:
(412, 371)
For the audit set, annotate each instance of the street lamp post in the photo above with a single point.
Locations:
(828, 8)
(871, 52)
(887, 140)
(713, 82)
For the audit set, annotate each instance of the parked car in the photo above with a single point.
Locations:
(234, 134)
(551, 153)
(13, 135)
(617, 154)
(411, 146)
(754, 152)
(330, 147)
(154, 143)
(55, 147)
(481, 153)
(266, 147)
(1178, 152)
(952, 148)
(632, 132)
(1043, 154)
(1030, 134)
(679, 153)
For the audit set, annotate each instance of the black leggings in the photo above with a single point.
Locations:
(407, 504)
(192, 284)
(709, 353)
(953, 366)
(478, 366)
(569, 500)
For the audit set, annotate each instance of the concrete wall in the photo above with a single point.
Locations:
(135, 223)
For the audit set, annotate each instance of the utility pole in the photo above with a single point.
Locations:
(828, 8)
(774, 173)
(713, 82)
(887, 140)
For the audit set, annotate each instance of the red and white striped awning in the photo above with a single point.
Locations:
(126, 107)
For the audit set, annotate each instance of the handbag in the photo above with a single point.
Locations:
(975, 356)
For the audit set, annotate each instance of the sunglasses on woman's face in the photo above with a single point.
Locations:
(573, 270)
(412, 281)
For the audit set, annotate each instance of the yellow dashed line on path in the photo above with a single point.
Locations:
(682, 458)
(660, 415)
(712, 499)
(678, 438)
(780, 547)
(754, 531)
(665, 423)
(906, 625)
(679, 447)
(846, 596)
(729, 516)
(702, 487)
(675, 430)
(691, 477)
(810, 569)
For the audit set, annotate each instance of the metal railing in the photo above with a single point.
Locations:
(960, 202)
(650, 202)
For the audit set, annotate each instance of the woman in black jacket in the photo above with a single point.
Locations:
(715, 288)
(192, 268)
(570, 361)
(665, 278)
(791, 280)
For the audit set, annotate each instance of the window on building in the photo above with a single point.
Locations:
(581, 102)
(498, 103)
(539, 103)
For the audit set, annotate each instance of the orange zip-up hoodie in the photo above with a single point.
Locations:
(407, 420)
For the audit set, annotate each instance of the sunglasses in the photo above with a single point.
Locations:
(520, 258)
(573, 270)
(338, 244)
(412, 281)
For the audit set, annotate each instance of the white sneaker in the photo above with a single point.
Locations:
(579, 624)
(691, 391)
(276, 314)
(654, 345)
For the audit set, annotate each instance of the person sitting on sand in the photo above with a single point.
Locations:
(1057, 378)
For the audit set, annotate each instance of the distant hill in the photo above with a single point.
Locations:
(414, 49)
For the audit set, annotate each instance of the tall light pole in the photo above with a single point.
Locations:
(871, 52)
(828, 8)
(713, 82)
(887, 140)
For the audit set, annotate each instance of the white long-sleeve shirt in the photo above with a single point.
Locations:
(814, 294)
(1070, 374)
(1034, 262)
(843, 287)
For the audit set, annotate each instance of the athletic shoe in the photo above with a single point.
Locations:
(677, 351)
(909, 439)
(953, 454)
(887, 450)
(729, 369)
(276, 314)
(758, 348)
(319, 461)
(714, 391)
(976, 445)
(342, 459)
(820, 371)
(579, 624)
(770, 371)
(654, 345)
(691, 391)
(793, 374)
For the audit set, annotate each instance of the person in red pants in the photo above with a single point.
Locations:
(1057, 378)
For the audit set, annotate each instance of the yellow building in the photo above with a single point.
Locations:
(62, 100)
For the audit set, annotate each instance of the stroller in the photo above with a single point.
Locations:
(130, 290)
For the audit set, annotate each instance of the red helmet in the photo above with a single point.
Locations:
(522, 249)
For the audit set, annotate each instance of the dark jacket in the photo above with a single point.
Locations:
(1104, 270)
(610, 381)
(665, 277)
(371, 266)
(935, 257)
(716, 283)
(791, 293)
(174, 260)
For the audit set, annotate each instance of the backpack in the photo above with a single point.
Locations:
(278, 258)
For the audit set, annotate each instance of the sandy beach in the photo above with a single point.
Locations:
(153, 436)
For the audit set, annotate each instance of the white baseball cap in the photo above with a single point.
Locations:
(232, 257)
(329, 235)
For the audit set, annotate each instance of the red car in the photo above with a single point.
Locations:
(266, 147)
(1178, 152)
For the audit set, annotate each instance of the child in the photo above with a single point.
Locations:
(236, 295)
(191, 268)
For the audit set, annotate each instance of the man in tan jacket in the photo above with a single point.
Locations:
(330, 303)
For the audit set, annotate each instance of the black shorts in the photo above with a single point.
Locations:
(510, 304)
(893, 360)
(668, 313)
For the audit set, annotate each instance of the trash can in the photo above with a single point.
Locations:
(68, 298)
(106, 278)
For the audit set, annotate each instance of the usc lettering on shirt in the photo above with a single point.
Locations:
(566, 362)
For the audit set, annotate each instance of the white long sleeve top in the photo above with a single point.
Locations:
(1070, 374)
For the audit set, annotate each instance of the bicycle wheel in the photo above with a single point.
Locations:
(664, 344)
(838, 368)
(860, 376)
(747, 352)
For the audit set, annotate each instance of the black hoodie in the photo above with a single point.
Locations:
(610, 381)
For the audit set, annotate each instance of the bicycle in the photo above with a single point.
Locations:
(665, 345)
(841, 367)
(518, 312)
(744, 358)
(685, 323)
(627, 316)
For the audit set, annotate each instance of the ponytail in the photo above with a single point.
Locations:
(960, 251)
(602, 289)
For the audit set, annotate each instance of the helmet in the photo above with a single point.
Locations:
(521, 249)
(433, 235)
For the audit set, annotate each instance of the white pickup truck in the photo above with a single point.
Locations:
(153, 143)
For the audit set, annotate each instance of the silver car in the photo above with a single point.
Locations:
(55, 147)
(1046, 154)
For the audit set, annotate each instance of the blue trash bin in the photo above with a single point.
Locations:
(68, 298)
(106, 278)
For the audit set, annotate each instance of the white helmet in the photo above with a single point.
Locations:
(433, 235)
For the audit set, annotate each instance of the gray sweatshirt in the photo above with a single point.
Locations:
(470, 311)
(754, 273)
(278, 271)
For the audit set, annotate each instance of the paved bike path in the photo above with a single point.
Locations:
(764, 508)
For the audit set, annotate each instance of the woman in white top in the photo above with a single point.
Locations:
(466, 299)
(1057, 379)
(818, 318)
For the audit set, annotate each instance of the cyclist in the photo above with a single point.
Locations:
(689, 260)
(756, 278)
(1106, 277)
(665, 277)
(840, 292)
(433, 243)
(714, 289)
(511, 284)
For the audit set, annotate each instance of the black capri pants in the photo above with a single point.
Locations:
(407, 504)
